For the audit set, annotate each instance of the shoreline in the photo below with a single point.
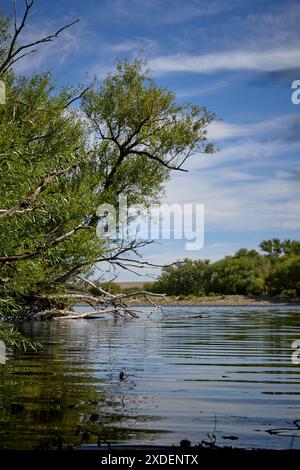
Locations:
(221, 300)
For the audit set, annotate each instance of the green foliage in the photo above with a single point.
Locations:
(258, 286)
(37, 138)
(276, 248)
(239, 274)
(143, 131)
(4, 36)
(185, 278)
(288, 293)
(247, 273)
(124, 139)
(285, 276)
(272, 247)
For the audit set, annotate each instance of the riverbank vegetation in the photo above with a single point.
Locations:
(273, 270)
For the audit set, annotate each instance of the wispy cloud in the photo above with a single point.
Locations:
(129, 45)
(285, 127)
(247, 186)
(263, 61)
(255, 205)
(169, 11)
(204, 90)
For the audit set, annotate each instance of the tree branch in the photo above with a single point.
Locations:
(42, 248)
(12, 54)
(153, 157)
(24, 203)
(76, 97)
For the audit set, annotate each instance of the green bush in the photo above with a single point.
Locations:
(288, 293)
(248, 272)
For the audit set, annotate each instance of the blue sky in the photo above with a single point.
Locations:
(238, 58)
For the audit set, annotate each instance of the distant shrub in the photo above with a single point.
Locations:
(258, 287)
(247, 272)
(289, 293)
(150, 287)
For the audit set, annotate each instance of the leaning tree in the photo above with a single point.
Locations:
(64, 152)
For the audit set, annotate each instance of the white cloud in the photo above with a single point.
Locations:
(204, 90)
(130, 45)
(166, 12)
(241, 205)
(243, 154)
(280, 126)
(264, 61)
(251, 184)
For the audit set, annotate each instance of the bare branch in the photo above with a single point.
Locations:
(18, 29)
(22, 56)
(76, 98)
(114, 169)
(98, 288)
(154, 157)
(113, 256)
(13, 52)
(106, 300)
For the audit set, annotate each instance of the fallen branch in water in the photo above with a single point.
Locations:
(106, 303)
(71, 315)
(56, 313)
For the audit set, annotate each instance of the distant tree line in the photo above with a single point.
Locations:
(273, 270)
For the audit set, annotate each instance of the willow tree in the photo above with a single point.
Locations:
(63, 152)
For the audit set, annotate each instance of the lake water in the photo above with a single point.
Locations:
(228, 373)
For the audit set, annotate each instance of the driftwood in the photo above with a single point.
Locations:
(56, 313)
(71, 315)
(106, 303)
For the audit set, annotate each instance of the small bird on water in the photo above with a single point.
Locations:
(121, 376)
